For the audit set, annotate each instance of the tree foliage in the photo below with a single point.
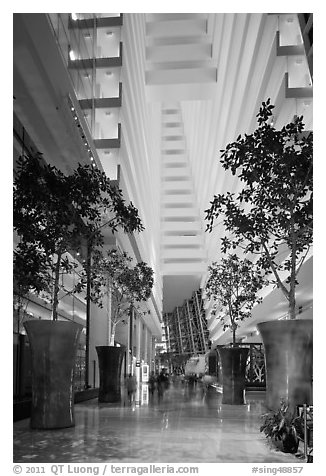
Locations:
(54, 214)
(233, 285)
(127, 284)
(273, 212)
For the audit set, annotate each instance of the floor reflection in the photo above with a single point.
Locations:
(185, 425)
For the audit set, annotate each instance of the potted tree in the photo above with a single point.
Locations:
(125, 285)
(271, 217)
(53, 213)
(233, 285)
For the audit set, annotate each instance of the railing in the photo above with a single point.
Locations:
(79, 372)
(255, 368)
(23, 138)
(306, 26)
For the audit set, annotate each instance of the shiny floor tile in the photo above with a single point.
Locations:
(183, 427)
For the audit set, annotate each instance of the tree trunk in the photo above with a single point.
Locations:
(292, 304)
(293, 275)
(88, 308)
(56, 288)
(114, 325)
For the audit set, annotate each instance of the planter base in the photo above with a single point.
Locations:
(288, 358)
(233, 361)
(110, 362)
(53, 349)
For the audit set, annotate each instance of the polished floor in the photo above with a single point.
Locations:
(185, 426)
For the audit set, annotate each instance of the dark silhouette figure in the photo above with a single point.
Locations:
(162, 384)
(192, 382)
(131, 385)
(152, 383)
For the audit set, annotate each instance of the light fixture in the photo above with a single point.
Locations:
(74, 16)
(81, 131)
(72, 55)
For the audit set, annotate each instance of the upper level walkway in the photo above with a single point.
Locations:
(186, 426)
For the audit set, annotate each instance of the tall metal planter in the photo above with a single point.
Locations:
(53, 350)
(288, 359)
(233, 361)
(110, 361)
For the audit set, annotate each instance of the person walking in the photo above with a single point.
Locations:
(131, 385)
(162, 384)
(152, 384)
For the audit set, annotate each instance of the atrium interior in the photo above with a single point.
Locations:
(150, 101)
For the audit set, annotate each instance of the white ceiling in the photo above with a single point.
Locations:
(210, 73)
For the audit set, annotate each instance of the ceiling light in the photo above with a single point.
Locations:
(92, 158)
(74, 16)
(72, 55)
